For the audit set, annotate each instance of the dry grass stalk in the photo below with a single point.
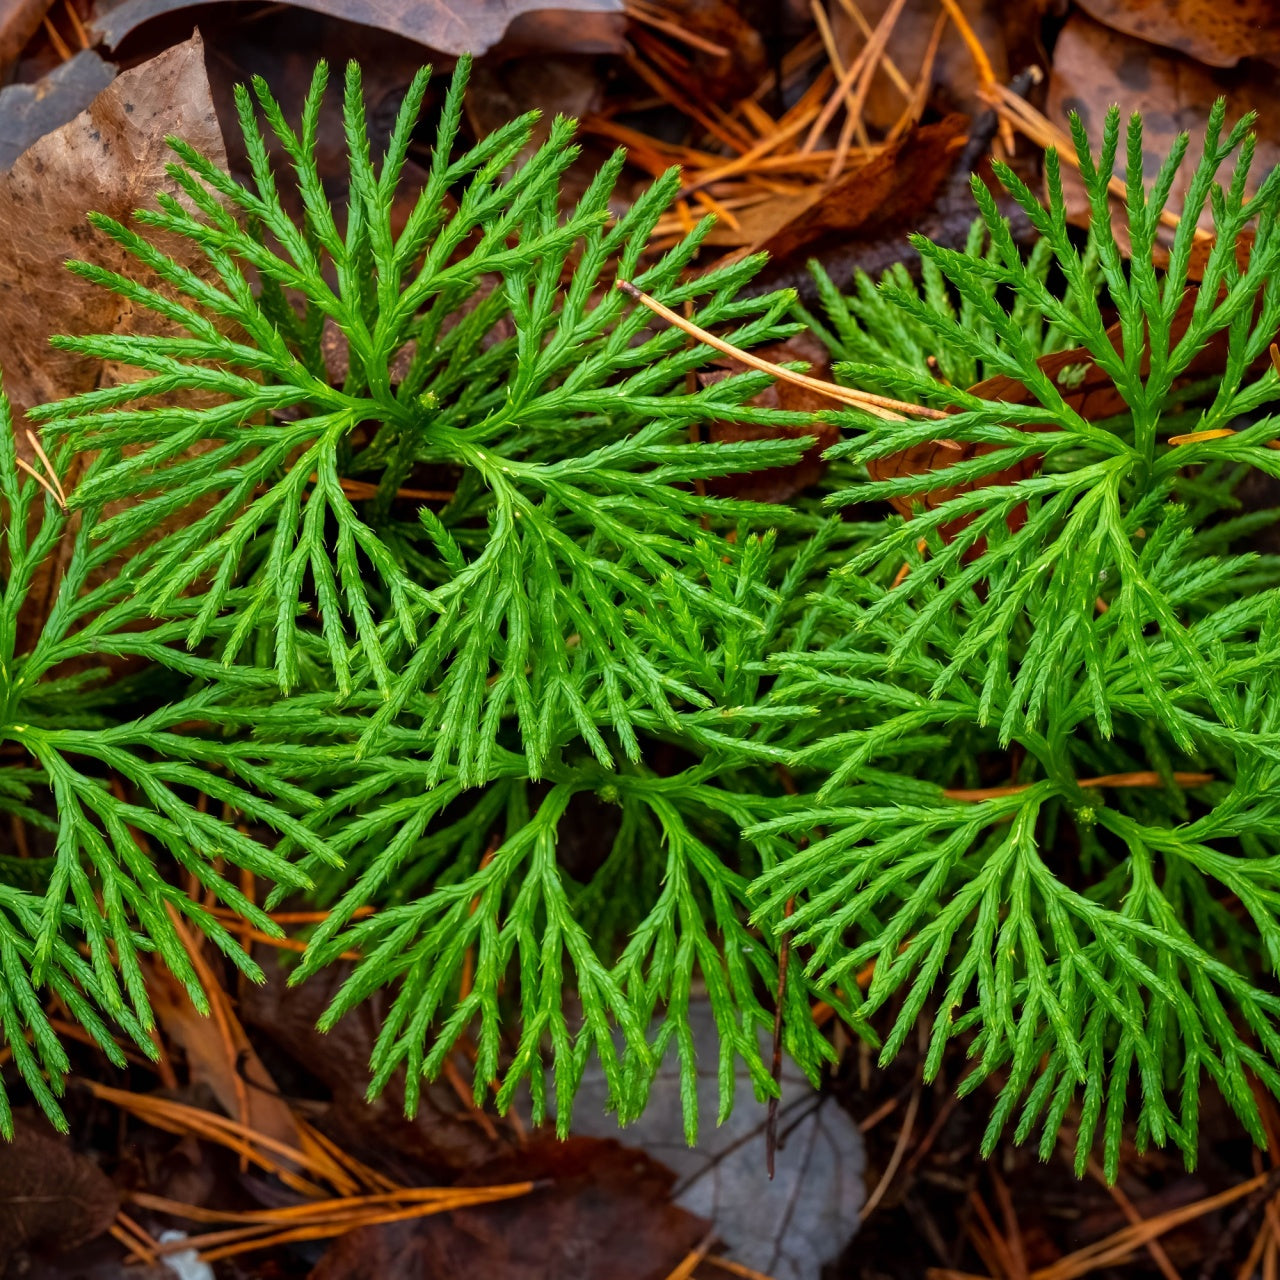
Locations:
(880, 406)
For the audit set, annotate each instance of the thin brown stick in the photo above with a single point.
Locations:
(1119, 1245)
(987, 1240)
(890, 67)
(337, 1206)
(882, 1112)
(60, 46)
(1013, 1231)
(880, 406)
(133, 1247)
(638, 11)
(48, 466)
(837, 63)
(41, 481)
(370, 1179)
(869, 53)
(76, 25)
(899, 1150)
(981, 62)
(736, 1268)
(135, 1238)
(1218, 433)
(326, 1230)
(920, 94)
(1035, 125)
(177, 1117)
(1249, 1268)
(1126, 1206)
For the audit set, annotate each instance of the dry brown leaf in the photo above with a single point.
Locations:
(1095, 66)
(891, 190)
(49, 1194)
(220, 1055)
(110, 158)
(451, 26)
(777, 484)
(29, 111)
(1207, 30)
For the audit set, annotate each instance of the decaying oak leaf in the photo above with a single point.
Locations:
(111, 158)
(450, 26)
(777, 484)
(1207, 30)
(50, 1195)
(890, 191)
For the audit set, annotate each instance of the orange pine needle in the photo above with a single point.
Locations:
(1140, 778)
(880, 406)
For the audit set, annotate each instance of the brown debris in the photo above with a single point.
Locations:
(20, 20)
(890, 190)
(450, 26)
(1095, 66)
(1216, 34)
(111, 158)
(50, 1195)
(603, 1210)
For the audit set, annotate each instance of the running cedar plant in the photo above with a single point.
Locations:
(270, 652)
(396, 641)
(1041, 790)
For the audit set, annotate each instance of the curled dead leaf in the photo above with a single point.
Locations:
(451, 26)
(890, 191)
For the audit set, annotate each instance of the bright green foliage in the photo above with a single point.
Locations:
(403, 701)
(1093, 944)
(873, 328)
(420, 704)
